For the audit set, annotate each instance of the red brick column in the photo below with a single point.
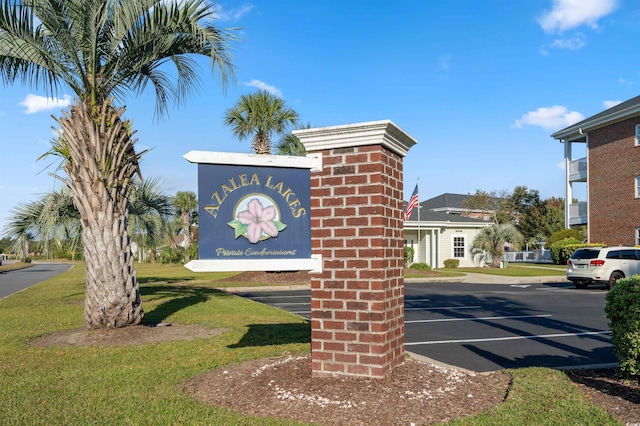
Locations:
(357, 302)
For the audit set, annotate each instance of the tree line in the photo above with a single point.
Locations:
(520, 218)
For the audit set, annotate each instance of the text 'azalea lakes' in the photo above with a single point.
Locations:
(244, 180)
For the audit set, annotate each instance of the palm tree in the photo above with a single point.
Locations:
(186, 206)
(99, 50)
(289, 144)
(493, 238)
(260, 115)
(54, 218)
(149, 213)
(51, 219)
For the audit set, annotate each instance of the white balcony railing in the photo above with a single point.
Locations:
(578, 213)
(578, 170)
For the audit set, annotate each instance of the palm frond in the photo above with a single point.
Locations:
(103, 49)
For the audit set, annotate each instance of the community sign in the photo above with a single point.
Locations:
(254, 209)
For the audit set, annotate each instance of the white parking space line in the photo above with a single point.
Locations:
(406, 309)
(573, 290)
(443, 308)
(498, 339)
(479, 318)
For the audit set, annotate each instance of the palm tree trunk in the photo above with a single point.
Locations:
(112, 296)
(100, 167)
(186, 229)
(261, 143)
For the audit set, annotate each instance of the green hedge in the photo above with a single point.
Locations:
(562, 250)
(578, 234)
(451, 263)
(623, 311)
(421, 266)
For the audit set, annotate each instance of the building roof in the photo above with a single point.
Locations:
(446, 201)
(620, 112)
(428, 215)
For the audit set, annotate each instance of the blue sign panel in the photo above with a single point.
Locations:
(253, 212)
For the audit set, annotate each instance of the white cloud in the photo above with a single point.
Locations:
(569, 14)
(35, 103)
(611, 104)
(622, 80)
(573, 43)
(549, 118)
(233, 14)
(264, 86)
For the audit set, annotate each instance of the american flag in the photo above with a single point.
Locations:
(413, 201)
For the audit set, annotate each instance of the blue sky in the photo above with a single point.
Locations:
(480, 84)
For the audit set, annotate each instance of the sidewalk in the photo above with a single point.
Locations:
(492, 279)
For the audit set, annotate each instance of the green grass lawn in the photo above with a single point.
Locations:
(13, 266)
(142, 384)
(440, 273)
(517, 270)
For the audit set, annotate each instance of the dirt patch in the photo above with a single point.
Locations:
(414, 392)
(284, 278)
(134, 335)
(609, 390)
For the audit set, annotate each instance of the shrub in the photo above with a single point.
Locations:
(193, 251)
(408, 255)
(170, 256)
(451, 263)
(563, 249)
(623, 311)
(421, 266)
(574, 233)
(559, 250)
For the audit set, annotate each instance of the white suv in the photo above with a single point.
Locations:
(602, 265)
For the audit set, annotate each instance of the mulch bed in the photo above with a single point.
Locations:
(414, 392)
(284, 278)
(611, 391)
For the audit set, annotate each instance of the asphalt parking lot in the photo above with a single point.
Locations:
(487, 327)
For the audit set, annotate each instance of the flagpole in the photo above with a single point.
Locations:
(419, 251)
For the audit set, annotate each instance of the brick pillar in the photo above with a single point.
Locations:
(357, 302)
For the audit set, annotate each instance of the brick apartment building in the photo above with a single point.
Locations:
(610, 171)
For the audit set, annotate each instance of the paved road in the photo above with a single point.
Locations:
(14, 281)
(486, 327)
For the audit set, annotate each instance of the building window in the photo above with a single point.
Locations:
(458, 246)
(637, 186)
(637, 138)
(638, 236)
